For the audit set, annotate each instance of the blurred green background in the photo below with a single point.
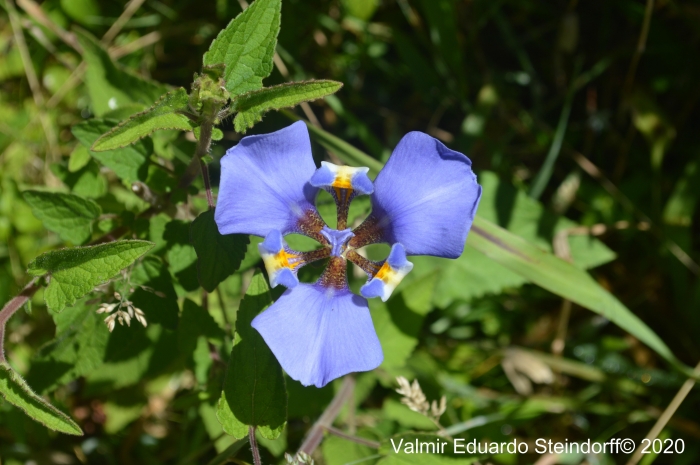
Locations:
(581, 119)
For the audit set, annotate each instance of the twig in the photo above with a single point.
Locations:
(641, 45)
(315, 435)
(254, 445)
(12, 306)
(143, 41)
(126, 15)
(34, 10)
(666, 416)
(32, 79)
(355, 439)
(674, 248)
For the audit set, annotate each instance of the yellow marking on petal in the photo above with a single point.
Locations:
(282, 260)
(388, 275)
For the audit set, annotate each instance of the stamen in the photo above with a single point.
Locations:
(392, 271)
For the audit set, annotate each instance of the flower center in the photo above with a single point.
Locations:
(337, 240)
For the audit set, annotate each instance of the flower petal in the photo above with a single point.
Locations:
(342, 177)
(394, 269)
(319, 334)
(264, 183)
(281, 265)
(425, 198)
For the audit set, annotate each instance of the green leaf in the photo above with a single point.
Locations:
(109, 85)
(218, 257)
(129, 163)
(79, 157)
(16, 391)
(246, 46)
(163, 115)
(76, 271)
(79, 348)
(68, 215)
(561, 278)
(155, 294)
(253, 105)
(254, 391)
(195, 321)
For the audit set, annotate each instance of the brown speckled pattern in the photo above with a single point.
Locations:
(335, 274)
(369, 232)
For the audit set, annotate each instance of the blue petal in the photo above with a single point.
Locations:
(336, 239)
(342, 177)
(426, 197)
(281, 264)
(319, 334)
(264, 183)
(392, 272)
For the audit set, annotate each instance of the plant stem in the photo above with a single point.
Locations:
(11, 307)
(355, 439)
(666, 416)
(315, 436)
(254, 446)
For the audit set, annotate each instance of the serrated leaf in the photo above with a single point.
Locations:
(163, 115)
(68, 215)
(218, 257)
(247, 46)
(16, 391)
(253, 105)
(109, 85)
(254, 391)
(129, 163)
(76, 271)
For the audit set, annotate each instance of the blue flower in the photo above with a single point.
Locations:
(423, 203)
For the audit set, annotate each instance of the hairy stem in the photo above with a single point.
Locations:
(12, 306)
(254, 446)
(315, 436)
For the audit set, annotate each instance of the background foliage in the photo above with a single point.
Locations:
(580, 119)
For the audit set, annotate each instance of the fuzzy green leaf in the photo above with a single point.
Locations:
(76, 271)
(129, 163)
(163, 115)
(247, 46)
(16, 391)
(68, 215)
(109, 85)
(254, 391)
(253, 105)
(218, 257)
